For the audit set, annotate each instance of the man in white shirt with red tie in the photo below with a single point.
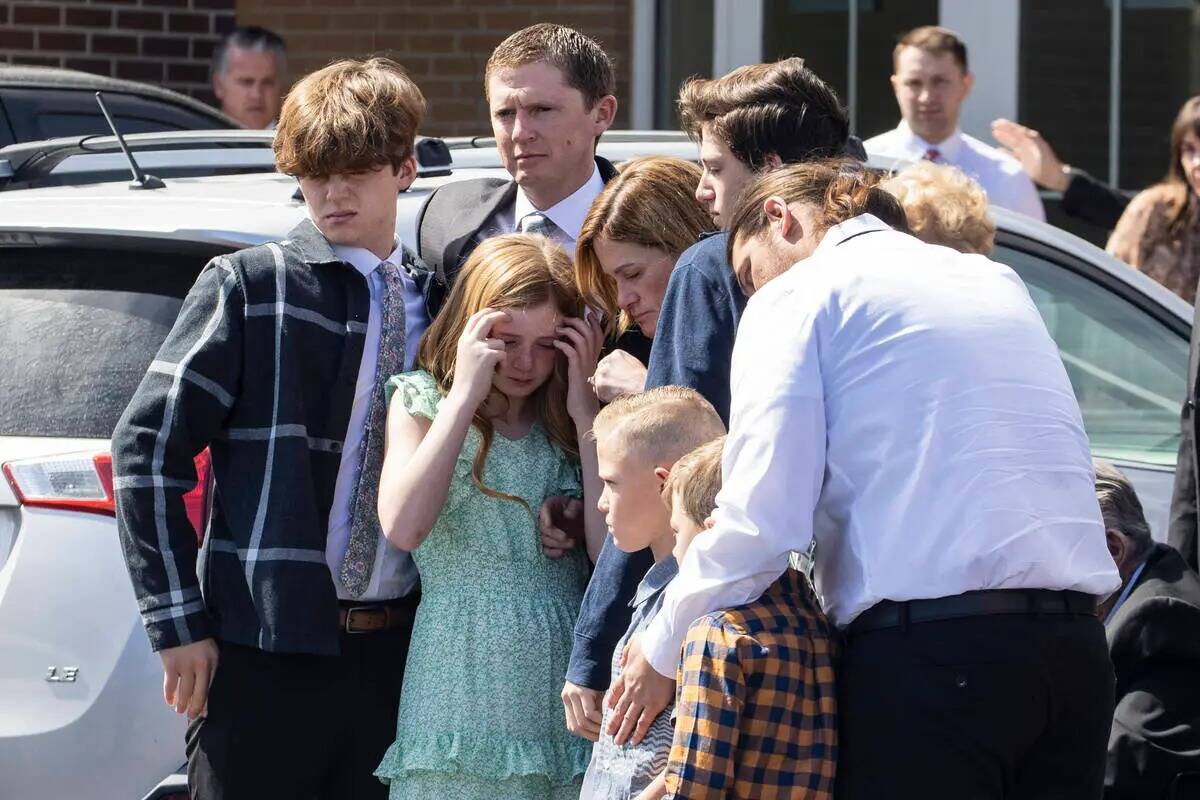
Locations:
(903, 405)
(931, 81)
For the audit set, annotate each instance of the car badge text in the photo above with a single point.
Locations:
(61, 674)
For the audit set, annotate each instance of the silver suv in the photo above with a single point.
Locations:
(91, 279)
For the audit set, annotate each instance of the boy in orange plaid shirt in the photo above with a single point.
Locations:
(756, 709)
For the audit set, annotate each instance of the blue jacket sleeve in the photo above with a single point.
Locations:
(693, 344)
(605, 614)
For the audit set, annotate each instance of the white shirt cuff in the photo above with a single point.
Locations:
(660, 649)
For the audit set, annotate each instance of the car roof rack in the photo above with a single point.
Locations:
(609, 137)
(30, 162)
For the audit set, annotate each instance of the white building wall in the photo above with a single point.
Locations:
(992, 32)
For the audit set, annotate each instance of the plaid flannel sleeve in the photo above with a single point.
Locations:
(181, 403)
(710, 699)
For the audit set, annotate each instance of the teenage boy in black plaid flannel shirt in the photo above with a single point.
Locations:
(289, 669)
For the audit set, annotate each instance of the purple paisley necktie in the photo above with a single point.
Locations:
(365, 530)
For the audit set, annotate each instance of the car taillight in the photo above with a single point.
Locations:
(197, 500)
(84, 482)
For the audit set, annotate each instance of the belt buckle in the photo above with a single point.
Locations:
(350, 614)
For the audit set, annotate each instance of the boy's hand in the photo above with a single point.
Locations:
(582, 706)
(656, 789)
(561, 522)
(637, 696)
(188, 671)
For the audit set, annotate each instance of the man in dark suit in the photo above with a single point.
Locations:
(1153, 630)
(1182, 532)
(550, 94)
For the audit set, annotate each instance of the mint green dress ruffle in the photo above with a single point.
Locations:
(480, 715)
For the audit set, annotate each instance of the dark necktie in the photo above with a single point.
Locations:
(538, 223)
(365, 530)
(933, 154)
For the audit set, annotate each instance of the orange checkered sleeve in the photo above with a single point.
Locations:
(756, 712)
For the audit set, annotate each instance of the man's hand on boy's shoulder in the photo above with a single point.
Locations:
(637, 696)
(560, 520)
(582, 708)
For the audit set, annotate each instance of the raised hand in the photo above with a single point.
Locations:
(478, 357)
(582, 342)
(1036, 155)
(618, 373)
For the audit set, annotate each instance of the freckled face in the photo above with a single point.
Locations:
(641, 274)
(684, 527)
(528, 335)
(630, 501)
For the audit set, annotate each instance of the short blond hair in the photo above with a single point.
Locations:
(659, 424)
(695, 480)
(348, 117)
(944, 206)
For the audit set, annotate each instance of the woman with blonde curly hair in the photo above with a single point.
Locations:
(944, 206)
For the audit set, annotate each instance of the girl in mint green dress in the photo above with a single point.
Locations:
(477, 441)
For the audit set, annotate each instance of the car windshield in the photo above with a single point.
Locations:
(80, 326)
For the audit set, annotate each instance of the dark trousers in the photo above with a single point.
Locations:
(1004, 706)
(299, 726)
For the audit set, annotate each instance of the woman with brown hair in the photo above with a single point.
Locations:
(488, 428)
(1159, 233)
(627, 248)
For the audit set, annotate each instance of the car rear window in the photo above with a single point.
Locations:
(45, 113)
(78, 327)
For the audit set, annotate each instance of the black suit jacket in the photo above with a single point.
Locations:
(1182, 531)
(452, 223)
(1154, 642)
(1093, 201)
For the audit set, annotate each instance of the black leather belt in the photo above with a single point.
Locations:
(378, 616)
(892, 614)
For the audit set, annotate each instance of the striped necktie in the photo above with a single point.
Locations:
(365, 530)
(541, 225)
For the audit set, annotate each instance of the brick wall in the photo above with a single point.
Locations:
(165, 42)
(444, 44)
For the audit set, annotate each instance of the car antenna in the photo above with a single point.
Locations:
(140, 179)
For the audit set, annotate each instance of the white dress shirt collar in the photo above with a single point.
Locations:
(364, 260)
(863, 223)
(948, 149)
(568, 214)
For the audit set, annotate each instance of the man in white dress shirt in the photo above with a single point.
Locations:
(903, 405)
(931, 81)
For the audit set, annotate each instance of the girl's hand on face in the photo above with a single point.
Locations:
(478, 357)
(582, 342)
(618, 373)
